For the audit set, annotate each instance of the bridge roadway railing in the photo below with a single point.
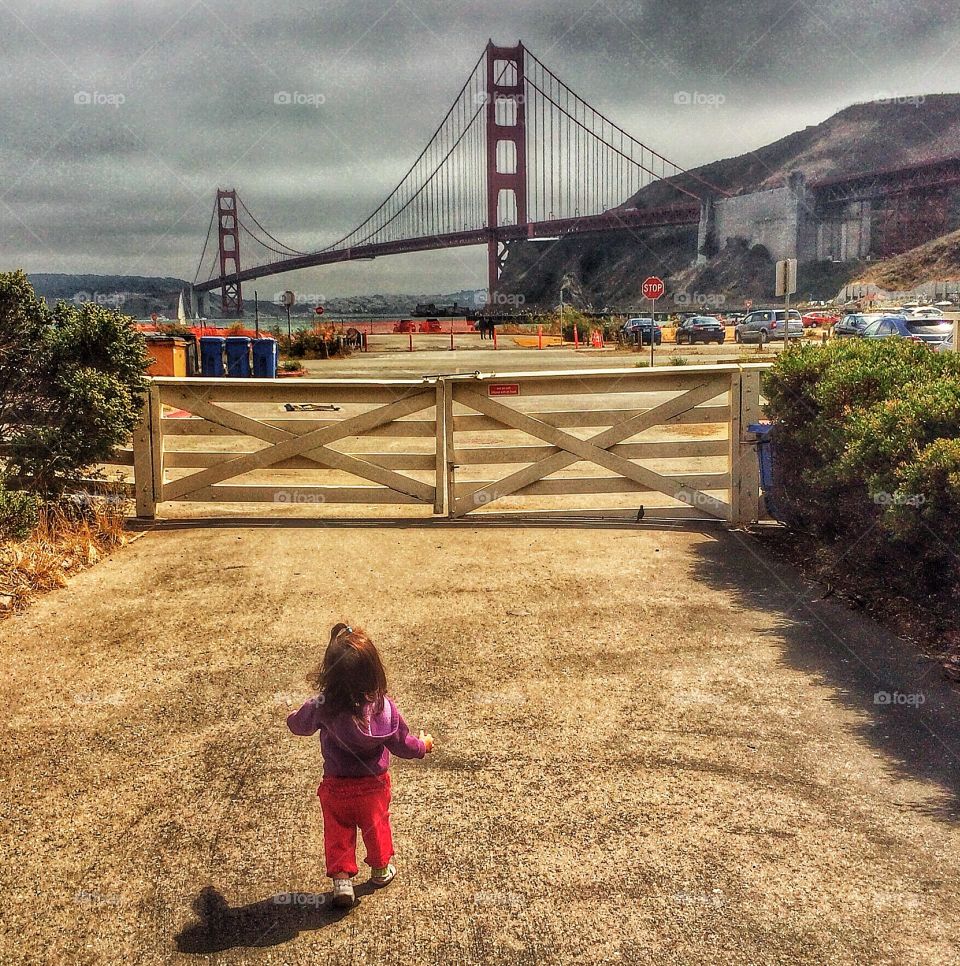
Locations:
(670, 440)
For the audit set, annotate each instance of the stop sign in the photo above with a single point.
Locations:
(653, 288)
(319, 310)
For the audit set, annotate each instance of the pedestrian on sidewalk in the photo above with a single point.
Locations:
(359, 727)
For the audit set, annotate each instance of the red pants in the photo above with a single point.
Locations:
(349, 804)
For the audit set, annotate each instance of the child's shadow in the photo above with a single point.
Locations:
(268, 922)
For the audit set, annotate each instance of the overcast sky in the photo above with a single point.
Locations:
(183, 101)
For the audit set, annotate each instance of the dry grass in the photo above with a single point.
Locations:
(62, 544)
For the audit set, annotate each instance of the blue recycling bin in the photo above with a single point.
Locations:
(265, 358)
(211, 355)
(765, 454)
(238, 355)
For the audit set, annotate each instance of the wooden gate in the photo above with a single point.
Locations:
(550, 442)
(596, 436)
(255, 441)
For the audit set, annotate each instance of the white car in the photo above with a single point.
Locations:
(920, 312)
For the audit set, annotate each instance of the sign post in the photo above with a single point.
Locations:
(288, 299)
(653, 289)
(786, 286)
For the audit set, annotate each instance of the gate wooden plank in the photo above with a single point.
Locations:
(143, 463)
(299, 495)
(670, 449)
(587, 418)
(200, 459)
(694, 482)
(593, 450)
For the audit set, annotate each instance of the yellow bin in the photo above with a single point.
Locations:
(169, 356)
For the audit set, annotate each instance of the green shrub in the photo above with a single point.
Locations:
(867, 453)
(71, 389)
(19, 513)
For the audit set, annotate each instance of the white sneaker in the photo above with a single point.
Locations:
(343, 893)
(380, 877)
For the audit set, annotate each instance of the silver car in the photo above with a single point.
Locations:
(769, 325)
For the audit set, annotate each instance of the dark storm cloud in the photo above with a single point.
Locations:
(180, 98)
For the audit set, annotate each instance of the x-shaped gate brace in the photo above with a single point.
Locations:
(313, 445)
(571, 449)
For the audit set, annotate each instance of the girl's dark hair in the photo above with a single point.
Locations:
(351, 674)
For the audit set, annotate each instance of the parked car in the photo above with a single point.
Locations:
(700, 328)
(921, 312)
(930, 332)
(818, 317)
(642, 331)
(853, 323)
(945, 346)
(405, 325)
(431, 325)
(769, 325)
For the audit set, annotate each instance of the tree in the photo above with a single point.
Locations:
(72, 383)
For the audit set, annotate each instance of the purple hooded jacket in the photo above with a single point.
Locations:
(348, 750)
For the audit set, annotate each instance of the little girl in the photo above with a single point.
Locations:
(359, 726)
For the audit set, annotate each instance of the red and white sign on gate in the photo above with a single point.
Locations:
(653, 288)
(504, 389)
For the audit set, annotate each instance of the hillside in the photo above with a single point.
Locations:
(54, 286)
(863, 137)
(936, 261)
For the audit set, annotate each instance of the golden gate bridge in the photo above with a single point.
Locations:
(518, 156)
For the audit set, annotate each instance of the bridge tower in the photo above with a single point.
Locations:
(506, 126)
(231, 297)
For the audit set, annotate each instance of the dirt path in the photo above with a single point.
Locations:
(651, 750)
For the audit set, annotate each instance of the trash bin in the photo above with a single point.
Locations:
(765, 454)
(211, 355)
(169, 355)
(265, 358)
(238, 355)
